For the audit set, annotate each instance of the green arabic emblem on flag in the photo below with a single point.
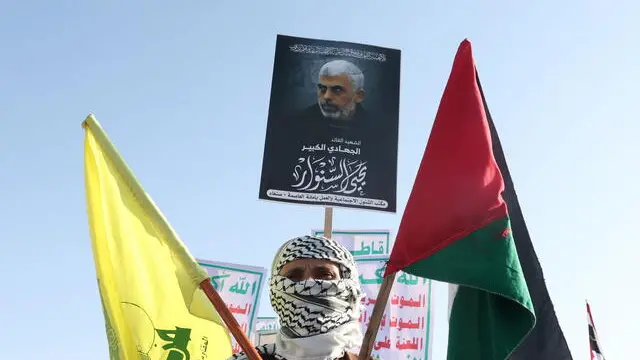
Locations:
(177, 341)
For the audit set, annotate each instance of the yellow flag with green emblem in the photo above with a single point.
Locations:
(148, 281)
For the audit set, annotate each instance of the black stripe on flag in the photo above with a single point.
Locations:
(593, 342)
(546, 340)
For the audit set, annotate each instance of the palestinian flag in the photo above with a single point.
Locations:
(594, 344)
(456, 227)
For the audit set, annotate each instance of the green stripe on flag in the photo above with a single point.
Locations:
(492, 311)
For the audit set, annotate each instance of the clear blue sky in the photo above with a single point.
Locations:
(182, 88)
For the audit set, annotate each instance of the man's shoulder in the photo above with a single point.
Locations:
(311, 109)
(266, 351)
(309, 113)
(296, 120)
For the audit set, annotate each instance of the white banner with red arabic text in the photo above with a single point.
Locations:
(240, 286)
(406, 330)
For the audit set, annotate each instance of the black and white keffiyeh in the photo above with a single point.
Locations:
(313, 307)
(318, 318)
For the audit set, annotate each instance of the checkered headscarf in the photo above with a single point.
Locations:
(312, 307)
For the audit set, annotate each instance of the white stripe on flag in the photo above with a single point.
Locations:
(453, 289)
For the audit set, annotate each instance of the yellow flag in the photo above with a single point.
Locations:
(148, 281)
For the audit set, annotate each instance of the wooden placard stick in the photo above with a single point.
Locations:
(328, 222)
(376, 317)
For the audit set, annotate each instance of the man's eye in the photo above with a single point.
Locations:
(295, 275)
(326, 275)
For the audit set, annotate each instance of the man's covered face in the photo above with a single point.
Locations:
(314, 287)
(337, 97)
(307, 269)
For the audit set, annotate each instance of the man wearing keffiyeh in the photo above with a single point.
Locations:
(315, 291)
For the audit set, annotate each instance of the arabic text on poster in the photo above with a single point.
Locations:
(362, 243)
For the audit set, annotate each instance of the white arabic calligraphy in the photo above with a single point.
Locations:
(327, 198)
(331, 149)
(328, 173)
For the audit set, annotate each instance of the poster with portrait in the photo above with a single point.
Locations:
(332, 128)
(240, 286)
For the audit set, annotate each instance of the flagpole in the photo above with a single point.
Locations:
(328, 222)
(229, 320)
(376, 317)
